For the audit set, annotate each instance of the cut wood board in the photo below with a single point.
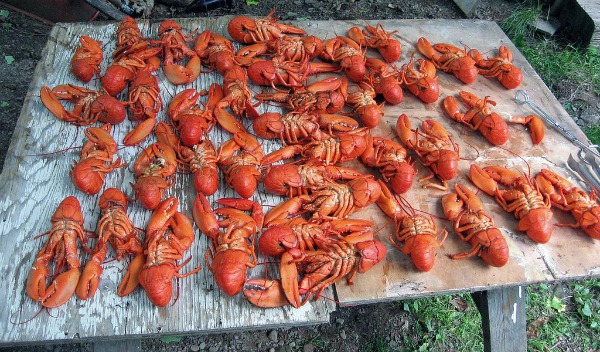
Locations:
(34, 185)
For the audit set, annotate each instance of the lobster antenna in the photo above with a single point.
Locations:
(42, 308)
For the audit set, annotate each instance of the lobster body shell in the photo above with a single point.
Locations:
(86, 59)
(566, 196)
(60, 248)
(474, 225)
(521, 198)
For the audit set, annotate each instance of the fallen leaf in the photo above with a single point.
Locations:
(391, 6)
(460, 304)
(533, 327)
(9, 59)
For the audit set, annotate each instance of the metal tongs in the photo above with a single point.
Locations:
(588, 168)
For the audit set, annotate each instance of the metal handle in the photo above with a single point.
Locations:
(521, 97)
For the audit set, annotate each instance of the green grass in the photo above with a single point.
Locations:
(570, 323)
(441, 326)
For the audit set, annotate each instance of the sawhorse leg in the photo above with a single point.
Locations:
(503, 319)
(127, 345)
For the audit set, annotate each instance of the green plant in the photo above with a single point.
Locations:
(252, 2)
(556, 323)
(318, 342)
(377, 345)
(446, 322)
(520, 25)
(585, 295)
(593, 133)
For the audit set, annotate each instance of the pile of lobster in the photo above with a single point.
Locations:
(325, 123)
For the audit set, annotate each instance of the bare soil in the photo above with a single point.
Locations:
(369, 327)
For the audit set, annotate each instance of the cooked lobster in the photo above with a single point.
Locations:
(522, 198)
(415, 235)
(474, 225)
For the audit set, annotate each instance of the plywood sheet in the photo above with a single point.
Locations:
(32, 187)
(569, 254)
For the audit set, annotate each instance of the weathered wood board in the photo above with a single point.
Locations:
(569, 254)
(32, 186)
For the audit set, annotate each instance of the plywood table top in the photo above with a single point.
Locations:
(33, 184)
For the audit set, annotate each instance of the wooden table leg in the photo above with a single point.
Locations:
(129, 345)
(503, 318)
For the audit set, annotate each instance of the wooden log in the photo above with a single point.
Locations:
(503, 318)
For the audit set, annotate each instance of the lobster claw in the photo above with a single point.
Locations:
(58, 292)
(52, 103)
(140, 132)
(483, 180)
(131, 279)
(265, 293)
(90, 277)
(178, 75)
(535, 124)
(289, 276)
(408, 137)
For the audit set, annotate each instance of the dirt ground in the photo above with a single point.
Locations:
(351, 328)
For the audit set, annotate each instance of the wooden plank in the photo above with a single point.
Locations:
(32, 187)
(582, 18)
(129, 345)
(503, 319)
(467, 6)
(529, 262)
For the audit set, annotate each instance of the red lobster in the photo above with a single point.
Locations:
(285, 47)
(191, 120)
(309, 272)
(567, 197)
(480, 117)
(348, 54)
(331, 149)
(392, 161)
(297, 179)
(90, 105)
(61, 247)
(420, 78)
(114, 228)
(175, 49)
(379, 39)
(248, 31)
(240, 159)
(96, 160)
(215, 51)
(415, 235)
(154, 169)
(232, 249)
(168, 235)
(330, 201)
(500, 67)
(132, 55)
(448, 58)
(86, 59)
(325, 96)
(300, 233)
(474, 225)
(362, 99)
(437, 151)
(200, 159)
(386, 80)
(298, 126)
(279, 72)
(522, 198)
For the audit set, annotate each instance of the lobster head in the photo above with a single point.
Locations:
(371, 253)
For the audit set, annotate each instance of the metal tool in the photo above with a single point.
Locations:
(521, 97)
(584, 172)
